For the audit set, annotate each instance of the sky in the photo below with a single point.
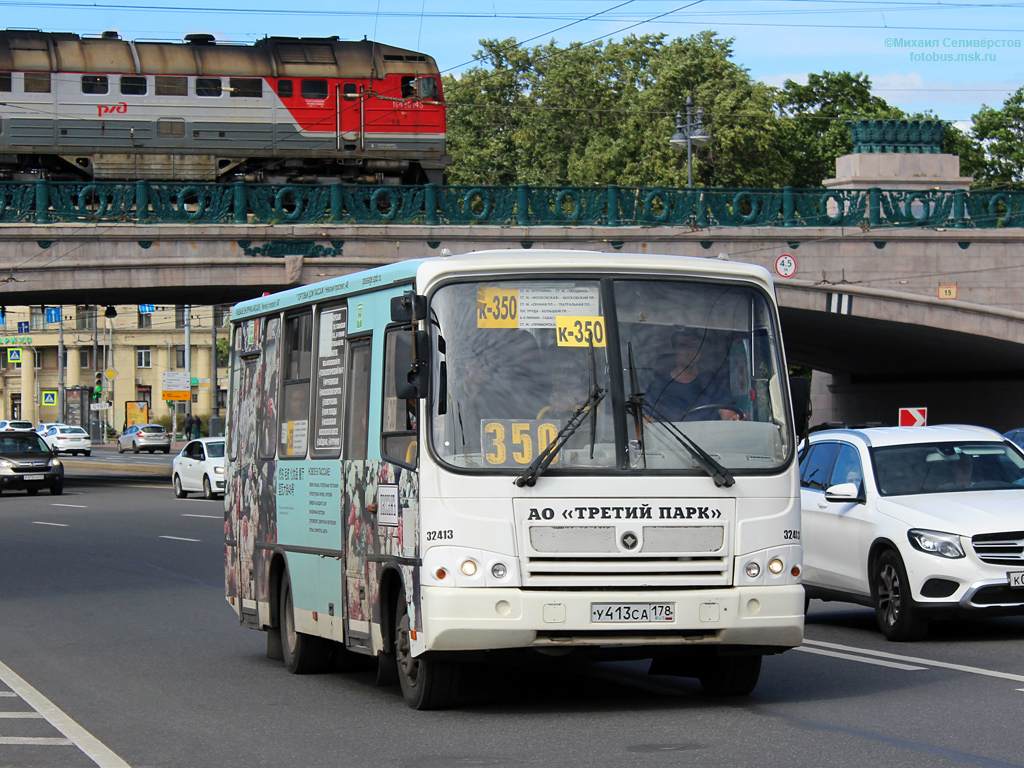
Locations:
(946, 57)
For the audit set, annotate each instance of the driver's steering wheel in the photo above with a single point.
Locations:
(712, 407)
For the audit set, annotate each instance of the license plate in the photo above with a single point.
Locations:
(1015, 578)
(32, 477)
(629, 613)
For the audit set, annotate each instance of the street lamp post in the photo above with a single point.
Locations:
(688, 135)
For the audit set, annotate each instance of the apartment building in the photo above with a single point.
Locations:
(135, 343)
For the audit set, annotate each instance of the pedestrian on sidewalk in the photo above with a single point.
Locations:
(186, 427)
(196, 424)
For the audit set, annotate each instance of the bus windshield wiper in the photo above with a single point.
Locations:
(545, 457)
(635, 403)
(722, 476)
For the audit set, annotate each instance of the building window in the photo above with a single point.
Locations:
(221, 315)
(37, 82)
(95, 84)
(143, 357)
(5, 82)
(179, 357)
(179, 316)
(145, 320)
(85, 317)
(36, 318)
(84, 358)
(37, 358)
(133, 86)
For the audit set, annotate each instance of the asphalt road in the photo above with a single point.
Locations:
(118, 648)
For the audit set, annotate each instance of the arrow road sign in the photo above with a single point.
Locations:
(913, 417)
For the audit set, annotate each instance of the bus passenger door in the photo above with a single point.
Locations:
(360, 478)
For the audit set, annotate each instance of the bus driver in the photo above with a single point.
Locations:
(689, 389)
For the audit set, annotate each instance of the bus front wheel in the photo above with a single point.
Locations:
(303, 654)
(730, 675)
(426, 683)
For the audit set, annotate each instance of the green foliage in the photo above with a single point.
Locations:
(602, 113)
(820, 110)
(1001, 133)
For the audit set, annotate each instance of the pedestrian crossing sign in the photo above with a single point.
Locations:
(13, 355)
(49, 397)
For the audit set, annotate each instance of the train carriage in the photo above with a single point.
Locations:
(280, 110)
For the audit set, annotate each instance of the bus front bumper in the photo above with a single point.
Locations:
(457, 619)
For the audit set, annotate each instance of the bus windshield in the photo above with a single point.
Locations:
(679, 363)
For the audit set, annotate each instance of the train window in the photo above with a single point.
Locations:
(426, 87)
(5, 81)
(284, 89)
(350, 91)
(37, 82)
(94, 84)
(173, 127)
(133, 86)
(171, 85)
(314, 89)
(408, 87)
(208, 86)
(246, 87)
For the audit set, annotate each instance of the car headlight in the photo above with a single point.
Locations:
(6, 464)
(218, 470)
(55, 463)
(936, 543)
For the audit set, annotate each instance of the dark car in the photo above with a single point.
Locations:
(28, 464)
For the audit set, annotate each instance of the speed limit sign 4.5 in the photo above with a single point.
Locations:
(785, 265)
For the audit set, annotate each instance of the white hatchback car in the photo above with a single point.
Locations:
(916, 522)
(200, 468)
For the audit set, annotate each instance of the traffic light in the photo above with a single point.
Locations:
(98, 387)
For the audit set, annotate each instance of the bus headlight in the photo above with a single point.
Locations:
(469, 568)
(775, 566)
(499, 571)
(753, 570)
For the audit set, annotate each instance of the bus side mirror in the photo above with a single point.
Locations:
(408, 308)
(800, 391)
(412, 364)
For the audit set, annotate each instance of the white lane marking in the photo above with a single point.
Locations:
(36, 741)
(19, 715)
(7, 694)
(211, 517)
(862, 659)
(98, 752)
(917, 660)
(179, 538)
(56, 525)
(75, 506)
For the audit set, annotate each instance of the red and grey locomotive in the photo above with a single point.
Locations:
(280, 110)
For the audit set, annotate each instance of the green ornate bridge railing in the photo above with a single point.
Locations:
(45, 202)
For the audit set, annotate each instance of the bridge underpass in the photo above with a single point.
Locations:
(899, 345)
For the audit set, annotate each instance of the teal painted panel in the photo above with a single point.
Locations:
(309, 504)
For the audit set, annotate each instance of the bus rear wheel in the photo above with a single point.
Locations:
(303, 654)
(426, 683)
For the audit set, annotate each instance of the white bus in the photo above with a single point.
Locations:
(447, 461)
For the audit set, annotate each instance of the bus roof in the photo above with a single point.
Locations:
(498, 263)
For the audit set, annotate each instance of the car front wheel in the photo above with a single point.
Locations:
(899, 619)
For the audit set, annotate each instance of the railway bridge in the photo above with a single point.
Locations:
(897, 297)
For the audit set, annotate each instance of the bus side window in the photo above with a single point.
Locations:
(294, 406)
(398, 430)
(269, 394)
(357, 405)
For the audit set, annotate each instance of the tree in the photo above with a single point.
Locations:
(820, 110)
(1000, 132)
(603, 113)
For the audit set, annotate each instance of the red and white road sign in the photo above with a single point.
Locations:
(785, 265)
(913, 417)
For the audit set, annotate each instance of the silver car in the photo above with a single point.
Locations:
(144, 437)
